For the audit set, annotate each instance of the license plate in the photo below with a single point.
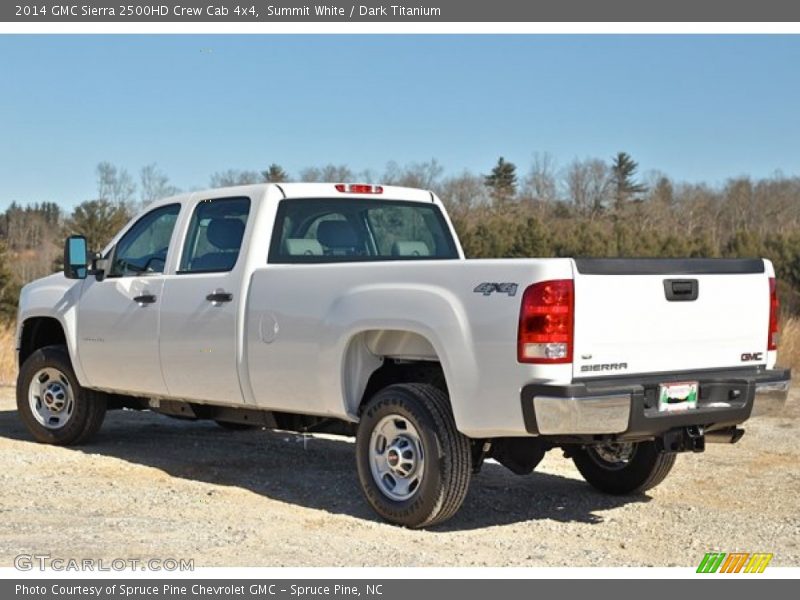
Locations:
(677, 396)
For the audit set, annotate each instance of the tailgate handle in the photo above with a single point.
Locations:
(681, 290)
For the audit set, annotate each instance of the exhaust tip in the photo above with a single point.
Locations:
(731, 435)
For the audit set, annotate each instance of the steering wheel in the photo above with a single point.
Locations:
(160, 255)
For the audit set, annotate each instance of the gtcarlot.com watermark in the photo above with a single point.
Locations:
(46, 562)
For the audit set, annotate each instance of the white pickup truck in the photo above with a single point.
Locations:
(350, 308)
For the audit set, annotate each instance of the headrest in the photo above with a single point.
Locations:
(401, 248)
(302, 247)
(337, 234)
(225, 234)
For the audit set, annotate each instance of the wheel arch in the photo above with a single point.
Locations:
(377, 358)
(377, 324)
(37, 331)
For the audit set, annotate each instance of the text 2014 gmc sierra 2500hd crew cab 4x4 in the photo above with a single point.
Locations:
(349, 308)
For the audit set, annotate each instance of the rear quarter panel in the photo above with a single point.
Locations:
(302, 321)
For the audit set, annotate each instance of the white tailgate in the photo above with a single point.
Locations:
(624, 323)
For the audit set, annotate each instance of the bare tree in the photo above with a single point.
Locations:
(464, 192)
(425, 175)
(368, 176)
(587, 185)
(232, 177)
(154, 184)
(741, 209)
(331, 172)
(541, 183)
(114, 184)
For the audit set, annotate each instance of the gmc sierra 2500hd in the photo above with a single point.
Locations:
(349, 308)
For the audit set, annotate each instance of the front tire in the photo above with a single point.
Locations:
(413, 464)
(624, 468)
(52, 404)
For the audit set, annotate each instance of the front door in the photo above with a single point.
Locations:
(118, 316)
(198, 342)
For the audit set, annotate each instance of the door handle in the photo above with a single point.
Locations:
(144, 299)
(219, 297)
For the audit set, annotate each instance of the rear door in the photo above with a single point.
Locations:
(655, 315)
(198, 341)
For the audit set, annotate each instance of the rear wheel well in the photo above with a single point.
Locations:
(403, 371)
(38, 332)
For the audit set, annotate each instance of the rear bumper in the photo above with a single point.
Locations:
(770, 397)
(627, 408)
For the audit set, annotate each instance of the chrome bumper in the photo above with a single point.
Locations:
(603, 414)
(628, 406)
(770, 398)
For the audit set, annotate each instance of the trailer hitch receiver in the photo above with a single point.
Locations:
(686, 439)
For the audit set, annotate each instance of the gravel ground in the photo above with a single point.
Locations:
(150, 486)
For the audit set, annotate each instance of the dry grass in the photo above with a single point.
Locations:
(789, 344)
(8, 358)
(788, 354)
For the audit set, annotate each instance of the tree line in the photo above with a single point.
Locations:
(588, 207)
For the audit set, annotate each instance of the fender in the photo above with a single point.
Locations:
(55, 297)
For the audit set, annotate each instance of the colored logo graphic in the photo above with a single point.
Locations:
(735, 562)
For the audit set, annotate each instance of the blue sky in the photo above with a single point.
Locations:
(700, 108)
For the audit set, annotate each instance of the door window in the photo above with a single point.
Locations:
(143, 248)
(215, 235)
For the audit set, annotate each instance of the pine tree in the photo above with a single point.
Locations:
(625, 187)
(502, 181)
(274, 174)
(663, 192)
(98, 220)
(9, 288)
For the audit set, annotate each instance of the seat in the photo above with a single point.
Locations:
(226, 236)
(339, 237)
(405, 248)
(301, 247)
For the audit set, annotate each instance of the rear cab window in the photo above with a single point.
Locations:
(323, 230)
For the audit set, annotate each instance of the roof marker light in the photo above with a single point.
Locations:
(358, 188)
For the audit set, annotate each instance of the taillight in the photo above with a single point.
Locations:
(546, 323)
(358, 188)
(774, 310)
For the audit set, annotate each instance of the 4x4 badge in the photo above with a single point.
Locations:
(488, 288)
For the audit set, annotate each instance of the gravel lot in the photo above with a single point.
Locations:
(150, 486)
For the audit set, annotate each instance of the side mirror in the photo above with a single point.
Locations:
(99, 266)
(76, 257)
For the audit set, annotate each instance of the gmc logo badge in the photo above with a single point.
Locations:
(751, 356)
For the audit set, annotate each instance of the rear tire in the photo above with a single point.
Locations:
(621, 469)
(413, 464)
(51, 402)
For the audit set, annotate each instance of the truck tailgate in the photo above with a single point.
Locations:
(636, 316)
